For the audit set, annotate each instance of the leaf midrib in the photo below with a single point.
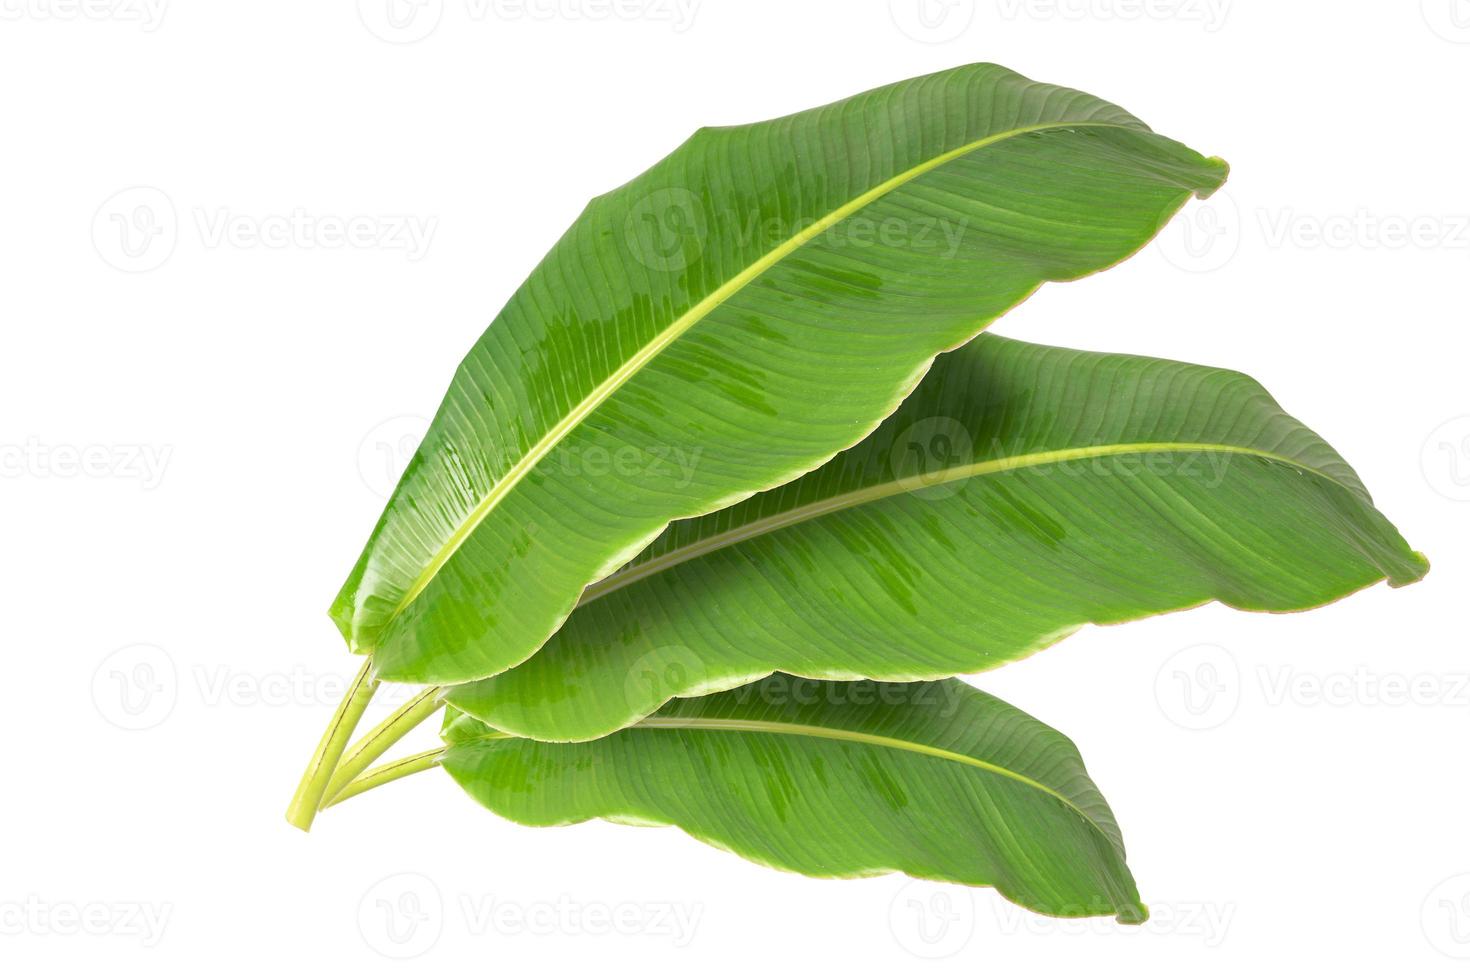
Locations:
(881, 491)
(765, 726)
(682, 324)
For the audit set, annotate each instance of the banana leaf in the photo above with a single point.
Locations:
(935, 780)
(1021, 492)
(727, 321)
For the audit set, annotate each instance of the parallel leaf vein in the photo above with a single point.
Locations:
(768, 727)
(880, 491)
(554, 435)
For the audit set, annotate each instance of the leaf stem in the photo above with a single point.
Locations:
(371, 746)
(386, 773)
(313, 785)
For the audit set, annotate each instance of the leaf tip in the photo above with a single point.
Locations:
(1135, 914)
(1221, 173)
(1421, 568)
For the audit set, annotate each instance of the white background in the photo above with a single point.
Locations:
(239, 406)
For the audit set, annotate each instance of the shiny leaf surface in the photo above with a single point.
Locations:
(1021, 492)
(726, 322)
(935, 780)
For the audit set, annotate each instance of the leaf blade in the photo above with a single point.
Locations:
(761, 357)
(1079, 488)
(935, 780)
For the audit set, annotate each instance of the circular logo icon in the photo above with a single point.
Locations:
(1203, 237)
(401, 916)
(1450, 19)
(135, 230)
(384, 452)
(136, 688)
(932, 21)
(400, 21)
(661, 674)
(1198, 688)
(932, 920)
(1445, 459)
(666, 229)
(929, 458)
(1445, 917)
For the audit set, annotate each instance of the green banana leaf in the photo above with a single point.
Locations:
(1021, 492)
(936, 780)
(727, 321)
